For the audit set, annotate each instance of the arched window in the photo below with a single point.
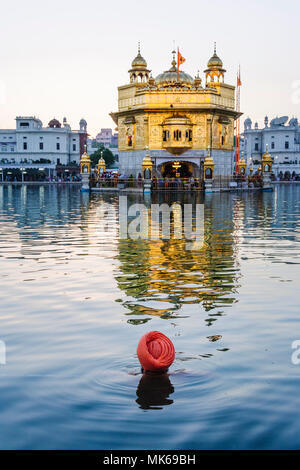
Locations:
(147, 174)
(208, 173)
(177, 135)
(129, 141)
(166, 135)
(188, 135)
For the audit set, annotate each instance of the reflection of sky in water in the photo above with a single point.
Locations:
(75, 300)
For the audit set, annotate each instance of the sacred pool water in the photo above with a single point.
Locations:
(76, 298)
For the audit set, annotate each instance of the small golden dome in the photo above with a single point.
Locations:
(266, 156)
(242, 161)
(139, 61)
(147, 159)
(215, 60)
(209, 160)
(85, 157)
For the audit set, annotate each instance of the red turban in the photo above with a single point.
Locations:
(155, 351)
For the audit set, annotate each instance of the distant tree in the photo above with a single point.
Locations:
(96, 144)
(106, 154)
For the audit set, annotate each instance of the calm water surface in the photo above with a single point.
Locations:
(75, 299)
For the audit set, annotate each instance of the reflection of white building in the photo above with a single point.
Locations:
(30, 142)
(283, 142)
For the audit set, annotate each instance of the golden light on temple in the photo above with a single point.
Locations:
(175, 114)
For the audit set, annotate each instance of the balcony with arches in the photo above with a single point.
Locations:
(177, 135)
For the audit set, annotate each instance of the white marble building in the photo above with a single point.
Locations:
(282, 138)
(31, 142)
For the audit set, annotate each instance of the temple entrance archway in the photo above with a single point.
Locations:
(178, 168)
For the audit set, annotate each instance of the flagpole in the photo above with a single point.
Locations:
(238, 99)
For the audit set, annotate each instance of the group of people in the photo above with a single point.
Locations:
(177, 183)
(286, 176)
(118, 180)
(105, 179)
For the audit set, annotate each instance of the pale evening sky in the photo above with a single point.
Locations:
(67, 58)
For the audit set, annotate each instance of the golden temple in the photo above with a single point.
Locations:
(176, 117)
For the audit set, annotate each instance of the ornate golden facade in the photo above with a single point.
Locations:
(175, 115)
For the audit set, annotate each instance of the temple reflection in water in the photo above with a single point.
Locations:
(163, 275)
(158, 277)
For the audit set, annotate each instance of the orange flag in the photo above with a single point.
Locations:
(239, 82)
(180, 60)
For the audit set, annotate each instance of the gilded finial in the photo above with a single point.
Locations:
(139, 47)
(215, 47)
(174, 59)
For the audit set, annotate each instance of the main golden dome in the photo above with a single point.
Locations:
(170, 76)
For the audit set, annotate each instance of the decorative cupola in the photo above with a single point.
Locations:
(101, 167)
(147, 165)
(139, 71)
(85, 163)
(208, 166)
(197, 81)
(266, 121)
(151, 81)
(214, 72)
(82, 125)
(247, 124)
(242, 165)
(54, 124)
(266, 161)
